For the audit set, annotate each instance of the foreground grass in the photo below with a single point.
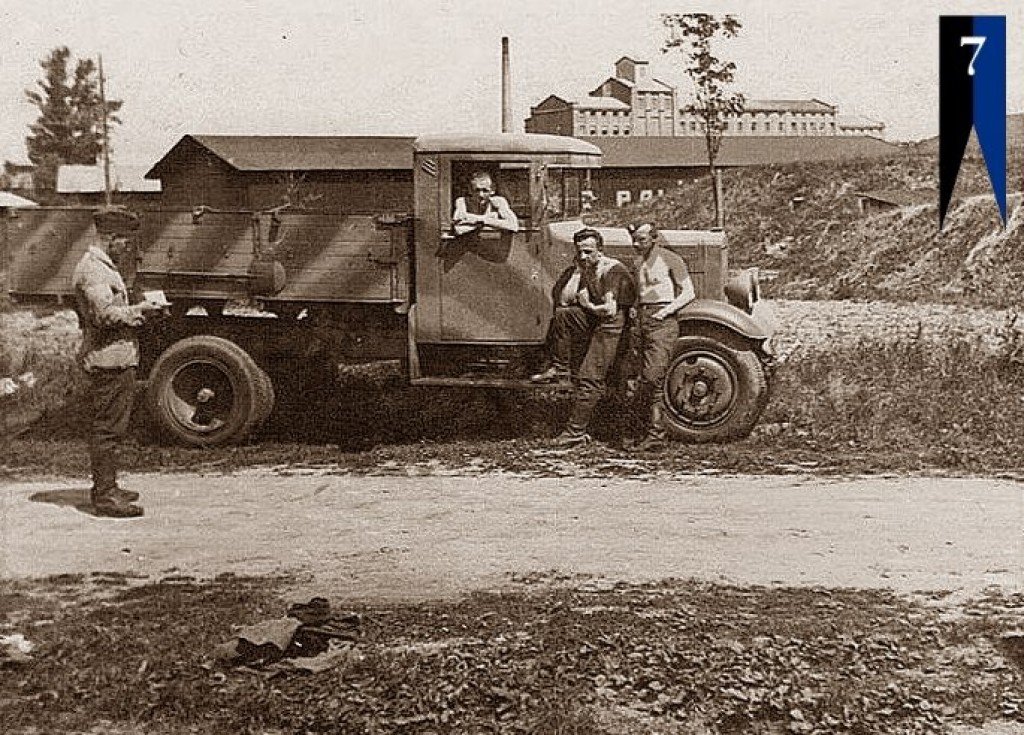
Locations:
(584, 658)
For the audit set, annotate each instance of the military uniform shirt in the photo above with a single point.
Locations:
(106, 319)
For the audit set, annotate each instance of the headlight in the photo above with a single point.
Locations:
(743, 290)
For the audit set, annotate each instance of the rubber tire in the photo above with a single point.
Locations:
(267, 398)
(253, 392)
(747, 380)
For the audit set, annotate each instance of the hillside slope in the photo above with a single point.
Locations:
(802, 224)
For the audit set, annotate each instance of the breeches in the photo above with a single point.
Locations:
(656, 341)
(576, 333)
(111, 393)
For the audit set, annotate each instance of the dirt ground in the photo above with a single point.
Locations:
(435, 536)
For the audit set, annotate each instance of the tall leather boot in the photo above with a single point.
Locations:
(104, 478)
(107, 498)
(655, 436)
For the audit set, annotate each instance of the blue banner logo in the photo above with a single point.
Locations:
(972, 94)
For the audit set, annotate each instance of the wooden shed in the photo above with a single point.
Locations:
(874, 202)
(345, 174)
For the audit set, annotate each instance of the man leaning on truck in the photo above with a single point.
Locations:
(590, 314)
(109, 354)
(664, 287)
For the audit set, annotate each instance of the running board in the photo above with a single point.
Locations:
(505, 383)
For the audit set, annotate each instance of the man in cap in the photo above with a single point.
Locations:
(109, 353)
(664, 287)
(590, 313)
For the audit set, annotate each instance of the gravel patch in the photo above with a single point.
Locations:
(812, 325)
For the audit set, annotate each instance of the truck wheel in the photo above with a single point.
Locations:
(207, 391)
(712, 392)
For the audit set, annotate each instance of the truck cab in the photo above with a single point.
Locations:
(483, 299)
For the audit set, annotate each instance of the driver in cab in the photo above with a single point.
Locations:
(483, 209)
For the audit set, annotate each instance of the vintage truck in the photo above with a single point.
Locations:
(260, 298)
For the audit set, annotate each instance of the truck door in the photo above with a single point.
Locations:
(490, 281)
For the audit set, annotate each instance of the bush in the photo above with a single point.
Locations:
(955, 401)
(37, 360)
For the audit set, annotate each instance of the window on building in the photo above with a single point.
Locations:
(782, 127)
(593, 130)
(615, 130)
(739, 127)
(753, 127)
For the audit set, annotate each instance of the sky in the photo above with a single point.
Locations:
(405, 67)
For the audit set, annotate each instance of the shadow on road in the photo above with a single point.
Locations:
(77, 498)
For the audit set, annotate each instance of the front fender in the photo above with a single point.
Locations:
(725, 315)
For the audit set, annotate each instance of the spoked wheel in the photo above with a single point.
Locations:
(712, 392)
(207, 391)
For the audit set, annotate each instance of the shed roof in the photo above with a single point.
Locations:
(901, 197)
(72, 179)
(687, 151)
(297, 152)
(7, 199)
(514, 143)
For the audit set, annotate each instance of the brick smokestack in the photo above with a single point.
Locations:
(506, 92)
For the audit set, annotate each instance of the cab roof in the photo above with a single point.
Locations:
(507, 143)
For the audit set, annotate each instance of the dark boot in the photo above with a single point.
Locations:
(654, 439)
(128, 496)
(117, 509)
(104, 478)
(108, 499)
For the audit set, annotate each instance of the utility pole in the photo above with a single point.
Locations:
(106, 136)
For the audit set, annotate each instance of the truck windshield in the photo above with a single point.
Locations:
(562, 193)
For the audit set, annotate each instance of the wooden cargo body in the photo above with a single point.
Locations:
(210, 255)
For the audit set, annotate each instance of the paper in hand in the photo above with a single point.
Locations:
(156, 297)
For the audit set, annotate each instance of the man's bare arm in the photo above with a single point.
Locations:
(683, 286)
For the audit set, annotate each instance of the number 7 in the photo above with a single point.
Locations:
(978, 41)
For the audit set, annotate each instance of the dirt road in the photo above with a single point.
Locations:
(393, 538)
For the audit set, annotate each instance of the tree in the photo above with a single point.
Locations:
(691, 36)
(70, 124)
